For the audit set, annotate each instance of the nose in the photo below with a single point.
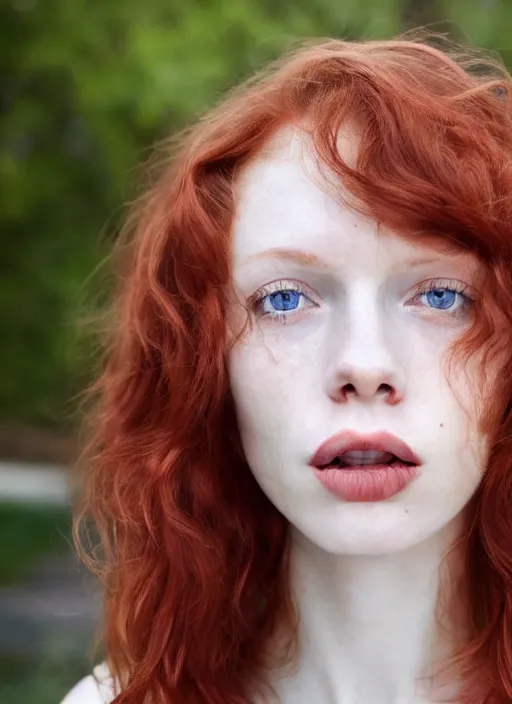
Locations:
(363, 366)
(366, 384)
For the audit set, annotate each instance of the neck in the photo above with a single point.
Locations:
(369, 627)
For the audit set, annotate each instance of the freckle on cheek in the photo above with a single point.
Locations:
(441, 425)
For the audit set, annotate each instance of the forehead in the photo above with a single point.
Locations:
(286, 199)
(282, 197)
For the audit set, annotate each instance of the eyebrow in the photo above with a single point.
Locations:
(447, 258)
(305, 258)
(298, 256)
(411, 263)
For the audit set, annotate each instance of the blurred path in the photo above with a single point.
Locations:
(33, 483)
(56, 604)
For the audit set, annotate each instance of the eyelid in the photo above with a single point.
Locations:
(280, 285)
(450, 284)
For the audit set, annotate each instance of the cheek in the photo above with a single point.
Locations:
(256, 381)
(273, 400)
(469, 383)
(463, 407)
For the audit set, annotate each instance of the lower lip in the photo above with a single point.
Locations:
(363, 483)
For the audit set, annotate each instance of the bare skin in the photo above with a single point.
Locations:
(351, 330)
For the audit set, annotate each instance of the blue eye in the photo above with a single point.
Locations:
(442, 298)
(452, 297)
(284, 300)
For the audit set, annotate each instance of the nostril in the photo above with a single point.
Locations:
(385, 389)
(390, 394)
(367, 389)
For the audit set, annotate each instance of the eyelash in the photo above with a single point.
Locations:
(258, 298)
(448, 285)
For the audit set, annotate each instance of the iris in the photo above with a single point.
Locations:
(441, 298)
(285, 300)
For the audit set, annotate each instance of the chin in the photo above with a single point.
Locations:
(369, 529)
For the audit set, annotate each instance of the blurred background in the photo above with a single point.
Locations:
(86, 88)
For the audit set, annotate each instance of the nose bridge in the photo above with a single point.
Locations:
(364, 362)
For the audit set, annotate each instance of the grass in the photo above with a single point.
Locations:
(28, 681)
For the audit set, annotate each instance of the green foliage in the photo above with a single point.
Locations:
(86, 89)
(46, 681)
(28, 533)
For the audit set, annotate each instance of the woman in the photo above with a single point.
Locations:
(301, 465)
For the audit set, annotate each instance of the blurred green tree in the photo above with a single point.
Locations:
(421, 12)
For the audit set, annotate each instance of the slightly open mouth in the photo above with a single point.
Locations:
(341, 462)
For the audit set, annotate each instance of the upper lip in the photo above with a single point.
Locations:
(346, 441)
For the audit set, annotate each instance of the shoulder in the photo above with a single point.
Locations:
(97, 688)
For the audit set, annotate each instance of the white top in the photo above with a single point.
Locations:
(97, 688)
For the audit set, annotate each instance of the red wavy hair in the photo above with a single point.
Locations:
(192, 555)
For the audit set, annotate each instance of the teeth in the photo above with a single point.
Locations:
(360, 457)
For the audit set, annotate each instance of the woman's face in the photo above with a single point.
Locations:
(350, 337)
